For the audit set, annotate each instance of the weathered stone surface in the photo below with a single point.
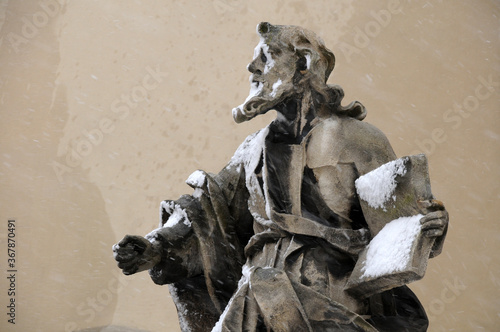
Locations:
(277, 239)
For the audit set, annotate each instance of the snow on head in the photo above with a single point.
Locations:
(275, 88)
(264, 48)
(377, 186)
(256, 87)
(389, 251)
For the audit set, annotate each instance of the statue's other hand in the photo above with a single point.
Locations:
(135, 254)
(435, 219)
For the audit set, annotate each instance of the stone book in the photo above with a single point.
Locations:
(398, 251)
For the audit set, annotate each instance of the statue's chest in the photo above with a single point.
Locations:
(283, 174)
(293, 184)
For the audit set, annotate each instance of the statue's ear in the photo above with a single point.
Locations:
(302, 64)
(306, 58)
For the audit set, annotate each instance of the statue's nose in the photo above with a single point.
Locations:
(252, 67)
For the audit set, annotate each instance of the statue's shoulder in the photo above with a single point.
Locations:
(348, 140)
(348, 127)
(250, 150)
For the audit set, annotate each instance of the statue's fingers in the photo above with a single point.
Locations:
(128, 267)
(116, 252)
(126, 239)
(126, 254)
(431, 205)
(434, 215)
(433, 224)
(139, 247)
(130, 271)
(433, 232)
(131, 240)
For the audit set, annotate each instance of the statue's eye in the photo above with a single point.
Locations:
(263, 57)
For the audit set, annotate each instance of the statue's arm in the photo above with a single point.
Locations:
(171, 248)
(176, 250)
(179, 254)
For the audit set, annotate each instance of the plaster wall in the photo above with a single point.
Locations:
(108, 106)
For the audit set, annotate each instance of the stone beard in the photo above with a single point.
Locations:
(281, 238)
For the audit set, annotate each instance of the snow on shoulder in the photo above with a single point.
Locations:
(390, 250)
(250, 151)
(377, 186)
(177, 214)
(249, 154)
(196, 179)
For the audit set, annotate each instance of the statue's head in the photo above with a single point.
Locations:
(286, 59)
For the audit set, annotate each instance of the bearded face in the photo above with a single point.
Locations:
(272, 70)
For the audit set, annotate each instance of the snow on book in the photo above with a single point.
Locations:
(398, 252)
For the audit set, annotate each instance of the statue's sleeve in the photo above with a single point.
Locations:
(220, 226)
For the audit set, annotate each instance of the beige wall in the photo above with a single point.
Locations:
(65, 68)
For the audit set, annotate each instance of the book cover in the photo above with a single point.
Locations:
(398, 252)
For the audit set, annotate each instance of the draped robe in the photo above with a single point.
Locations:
(278, 233)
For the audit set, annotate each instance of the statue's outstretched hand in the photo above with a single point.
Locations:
(435, 219)
(135, 254)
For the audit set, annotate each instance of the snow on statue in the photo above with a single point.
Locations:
(281, 238)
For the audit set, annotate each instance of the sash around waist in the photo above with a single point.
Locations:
(346, 240)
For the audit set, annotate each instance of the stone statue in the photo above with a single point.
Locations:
(296, 232)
